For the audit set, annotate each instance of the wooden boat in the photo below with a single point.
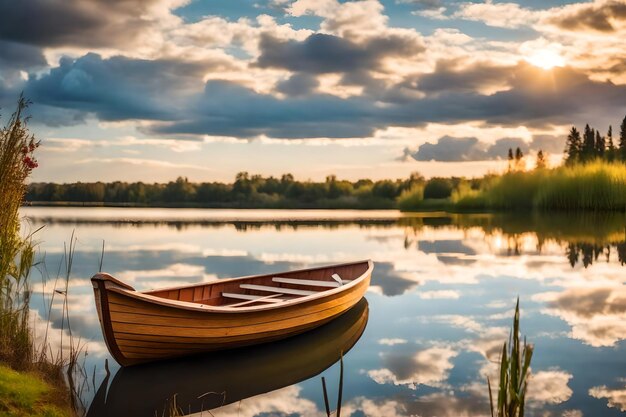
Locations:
(227, 313)
(230, 376)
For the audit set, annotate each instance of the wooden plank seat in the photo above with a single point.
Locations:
(309, 282)
(256, 298)
(281, 290)
(259, 299)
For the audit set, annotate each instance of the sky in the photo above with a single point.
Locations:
(149, 90)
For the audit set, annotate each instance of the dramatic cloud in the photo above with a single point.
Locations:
(15, 57)
(602, 16)
(449, 76)
(321, 53)
(427, 367)
(597, 315)
(616, 396)
(450, 149)
(117, 88)
(230, 109)
(298, 85)
(87, 23)
(508, 15)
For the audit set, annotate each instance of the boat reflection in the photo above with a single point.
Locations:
(219, 378)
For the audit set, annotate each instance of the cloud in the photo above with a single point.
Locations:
(507, 15)
(597, 315)
(392, 342)
(601, 16)
(116, 88)
(16, 57)
(427, 367)
(451, 149)
(549, 387)
(439, 295)
(321, 53)
(548, 143)
(616, 396)
(229, 109)
(94, 23)
(298, 85)
(451, 75)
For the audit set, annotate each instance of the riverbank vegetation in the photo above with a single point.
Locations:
(31, 383)
(591, 178)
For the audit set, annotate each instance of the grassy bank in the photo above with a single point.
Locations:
(29, 394)
(595, 186)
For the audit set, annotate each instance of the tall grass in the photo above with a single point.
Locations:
(595, 186)
(514, 373)
(411, 198)
(16, 252)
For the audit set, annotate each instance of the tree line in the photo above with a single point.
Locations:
(592, 145)
(246, 191)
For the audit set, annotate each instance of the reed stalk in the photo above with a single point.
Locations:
(514, 374)
(16, 252)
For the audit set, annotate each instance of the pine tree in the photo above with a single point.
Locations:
(510, 159)
(541, 160)
(573, 146)
(519, 159)
(622, 140)
(589, 144)
(600, 145)
(610, 145)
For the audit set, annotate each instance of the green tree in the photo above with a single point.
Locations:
(438, 188)
(622, 140)
(600, 145)
(242, 185)
(589, 144)
(573, 146)
(519, 159)
(610, 145)
(180, 190)
(541, 160)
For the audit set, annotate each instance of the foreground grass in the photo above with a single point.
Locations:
(28, 394)
(595, 186)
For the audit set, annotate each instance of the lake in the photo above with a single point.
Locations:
(423, 342)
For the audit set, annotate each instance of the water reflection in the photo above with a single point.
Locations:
(440, 301)
(218, 379)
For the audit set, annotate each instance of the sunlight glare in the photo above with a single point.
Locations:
(545, 58)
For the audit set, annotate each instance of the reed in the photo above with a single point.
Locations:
(339, 392)
(514, 373)
(18, 348)
(594, 186)
(16, 252)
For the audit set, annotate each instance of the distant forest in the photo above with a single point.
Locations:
(246, 191)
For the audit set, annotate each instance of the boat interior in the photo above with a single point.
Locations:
(265, 289)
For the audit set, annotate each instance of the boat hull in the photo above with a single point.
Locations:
(138, 330)
(231, 376)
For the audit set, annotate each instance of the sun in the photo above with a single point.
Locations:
(545, 58)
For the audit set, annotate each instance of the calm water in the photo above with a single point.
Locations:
(424, 341)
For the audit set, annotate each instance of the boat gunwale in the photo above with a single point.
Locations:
(186, 305)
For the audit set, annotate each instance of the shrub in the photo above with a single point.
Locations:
(438, 188)
(410, 199)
